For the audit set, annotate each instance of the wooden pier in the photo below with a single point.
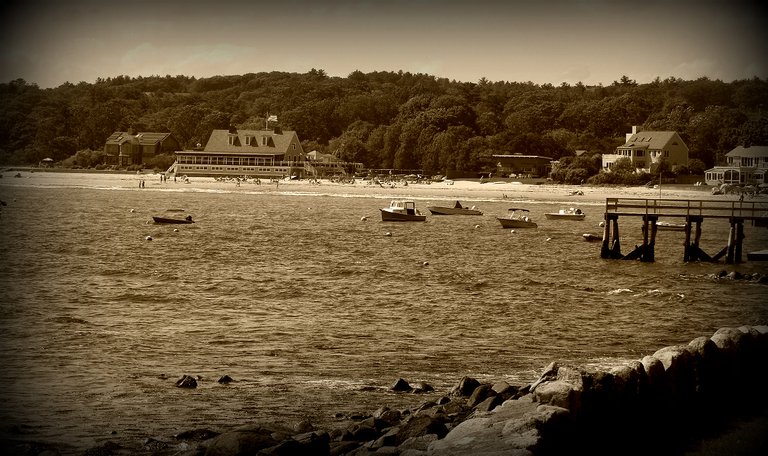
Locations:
(690, 212)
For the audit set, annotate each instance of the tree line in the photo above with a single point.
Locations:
(388, 119)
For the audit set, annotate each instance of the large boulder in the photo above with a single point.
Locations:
(245, 440)
(515, 428)
(679, 374)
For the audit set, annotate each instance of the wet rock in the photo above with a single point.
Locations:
(225, 379)
(401, 385)
(480, 394)
(423, 387)
(465, 387)
(243, 440)
(422, 425)
(196, 434)
(187, 381)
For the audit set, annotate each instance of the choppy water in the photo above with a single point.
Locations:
(306, 305)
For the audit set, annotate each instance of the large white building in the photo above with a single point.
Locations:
(258, 153)
(745, 166)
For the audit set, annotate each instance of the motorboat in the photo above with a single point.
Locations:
(566, 214)
(456, 209)
(518, 218)
(175, 221)
(402, 211)
(668, 226)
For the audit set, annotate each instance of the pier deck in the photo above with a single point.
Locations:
(692, 212)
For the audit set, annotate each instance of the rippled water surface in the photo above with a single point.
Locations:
(310, 309)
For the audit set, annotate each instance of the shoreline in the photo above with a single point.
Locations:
(449, 190)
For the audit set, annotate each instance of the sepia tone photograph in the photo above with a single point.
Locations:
(415, 228)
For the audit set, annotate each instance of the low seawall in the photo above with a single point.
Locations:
(660, 404)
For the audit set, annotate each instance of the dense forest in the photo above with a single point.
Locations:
(387, 119)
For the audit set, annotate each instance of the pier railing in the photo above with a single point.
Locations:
(693, 212)
(745, 210)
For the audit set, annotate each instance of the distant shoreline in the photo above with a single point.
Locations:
(446, 190)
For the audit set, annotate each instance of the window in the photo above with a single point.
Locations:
(666, 154)
(639, 153)
(231, 140)
(248, 140)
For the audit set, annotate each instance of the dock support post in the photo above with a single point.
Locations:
(649, 226)
(616, 247)
(610, 249)
(735, 238)
(692, 250)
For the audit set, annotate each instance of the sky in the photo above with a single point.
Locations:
(50, 42)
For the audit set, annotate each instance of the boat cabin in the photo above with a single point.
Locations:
(405, 207)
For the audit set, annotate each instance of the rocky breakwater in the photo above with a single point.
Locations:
(659, 404)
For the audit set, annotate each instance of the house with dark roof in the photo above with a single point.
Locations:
(519, 165)
(258, 153)
(125, 148)
(745, 166)
(644, 148)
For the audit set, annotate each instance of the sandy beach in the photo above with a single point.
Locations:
(469, 190)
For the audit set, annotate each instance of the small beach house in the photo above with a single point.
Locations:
(744, 166)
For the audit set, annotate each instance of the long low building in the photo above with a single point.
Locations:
(255, 153)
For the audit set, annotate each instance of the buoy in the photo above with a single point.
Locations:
(426, 263)
(149, 238)
(549, 239)
(477, 226)
(363, 218)
(133, 210)
(175, 230)
(388, 234)
(601, 224)
(511, 231)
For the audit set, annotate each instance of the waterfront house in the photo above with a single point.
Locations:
(256, 153)
(744, 166)
(644, 148)
(125, 148)
(523, 165)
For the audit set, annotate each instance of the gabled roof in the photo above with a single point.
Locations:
(753, 151)
(143, 138)
(276, 143)
(654, 140)
(121, 137)
(149, 138)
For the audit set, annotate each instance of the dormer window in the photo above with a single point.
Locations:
(249, 140)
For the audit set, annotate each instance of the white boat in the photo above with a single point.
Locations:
(456, 209)
(667, 226)
(566, 214)
(402, 211)
(517, 219)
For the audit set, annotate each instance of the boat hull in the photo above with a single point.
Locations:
(389, 216)
(171, 221)
(554, 216)
(440, 210)
(515, 223)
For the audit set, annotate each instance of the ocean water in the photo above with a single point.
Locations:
(312, 310)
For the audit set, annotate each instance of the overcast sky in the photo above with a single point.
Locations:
(49, 42)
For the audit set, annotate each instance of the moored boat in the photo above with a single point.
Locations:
(402, 211)
(456, 209)
(174, 221)
(590, 237)
(517, 219)
(566, 214)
